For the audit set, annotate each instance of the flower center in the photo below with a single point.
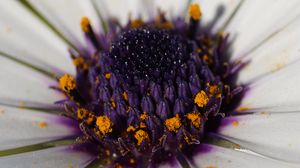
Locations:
(148, 53)
(154, 91)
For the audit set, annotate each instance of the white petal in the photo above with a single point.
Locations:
(271, 134)
(279, 51)
(277, 92)
(66, 16)
(257, 20)
(119, 9)
(61, 157)
(229, 158)
(20, 127)
(221, 10)
(173, 8)
(25, 37)
(173, 164)
(21, 83)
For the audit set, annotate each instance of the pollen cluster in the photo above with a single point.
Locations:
(146, 90)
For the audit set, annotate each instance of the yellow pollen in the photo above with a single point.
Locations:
(195, 12)
(137, 23)
(130, 128)
(213, 89)
(132, 161)
(104, 124)
(140, 136)
(85, 24)
(235, 123)
(207, 59)
(79, 62)
(142, 125)
(113, 104)
(173, 124)
(201, 99)
(194, 118)
(82, 113)
(128, 109)
(243, 109)
(90, 118)
(165, 25)
(143, 116)
(125, 96)
(42, 124)
(67, 83)
(107, 75)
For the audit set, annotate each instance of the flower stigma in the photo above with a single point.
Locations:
(149, 90)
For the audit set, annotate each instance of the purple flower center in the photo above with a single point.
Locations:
(153, 92)
(148, 53)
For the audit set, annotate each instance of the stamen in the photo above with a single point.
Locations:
(104, 125)
(173, 124)
(201, 99)
(67, 83)
(89, 32)
(195, 12)
(141, 136)
(194, 118)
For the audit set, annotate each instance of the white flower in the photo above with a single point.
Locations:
(265, 34)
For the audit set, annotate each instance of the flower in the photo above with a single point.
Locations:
(260, 127)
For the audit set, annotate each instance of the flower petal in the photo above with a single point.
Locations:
(277, 92)
(21, 83)
(275, 135)
(257, 20)
(229, 158)
(26, 38)
(280, 50)
(217, 12)
(19, 127)
(53, 157)
(173, 8)
(119, 9)
(66, 16)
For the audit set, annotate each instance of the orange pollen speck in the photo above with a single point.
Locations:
(125, 96)
(140, 136)
(143, 116)
(201, 99)
(132, 161)
(79, 62)
(235, 123)
(82, 113)
(142, 125)
(212, 89)
(43, 124)
(173, 124)
(195, 12)
(85, 24)
(113, 104)
(107, 75)
(67, 83)
(104, 124)
(137, 23)
(194, 118)
(90, 118)
(130, 128)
